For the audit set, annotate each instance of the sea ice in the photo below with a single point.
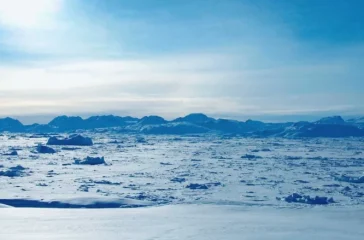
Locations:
(75, 140)
(91, 161)
(45, 149)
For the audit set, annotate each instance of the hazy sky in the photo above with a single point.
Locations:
(172, 57)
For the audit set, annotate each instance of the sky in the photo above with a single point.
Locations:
(226, 58)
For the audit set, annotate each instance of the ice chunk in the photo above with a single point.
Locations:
(297, 198)
(12, 153)
(75, 140)
(45, 149)
(140, 140)
(13, 172)
(250, 156)
(70, 148)
(350, 179)
(197, 186)
(177, 179)
(91, 161)
(293, 157)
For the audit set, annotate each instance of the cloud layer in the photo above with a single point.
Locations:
(231, 58)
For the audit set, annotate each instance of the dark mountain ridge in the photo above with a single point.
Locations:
(195, 123)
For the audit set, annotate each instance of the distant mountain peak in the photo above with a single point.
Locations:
(194, 123)
(10, 124)
(150, 120)
(195, 118)
(331, 120)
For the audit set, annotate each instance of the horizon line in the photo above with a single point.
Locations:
(213, 116)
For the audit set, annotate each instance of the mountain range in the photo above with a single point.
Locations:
(195, 123)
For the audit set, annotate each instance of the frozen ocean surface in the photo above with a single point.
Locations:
(164, 170)
(181, 187)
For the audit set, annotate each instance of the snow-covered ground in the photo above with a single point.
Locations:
(245, 188)
(197, 222)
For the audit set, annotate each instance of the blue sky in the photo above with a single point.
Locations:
(230, 58)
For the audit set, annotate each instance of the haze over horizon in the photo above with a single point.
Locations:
(237, 59)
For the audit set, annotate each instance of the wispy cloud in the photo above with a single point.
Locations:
(173, 86)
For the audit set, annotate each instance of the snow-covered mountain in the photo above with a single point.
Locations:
(195, 123)
(11, 125)
(359, 122)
